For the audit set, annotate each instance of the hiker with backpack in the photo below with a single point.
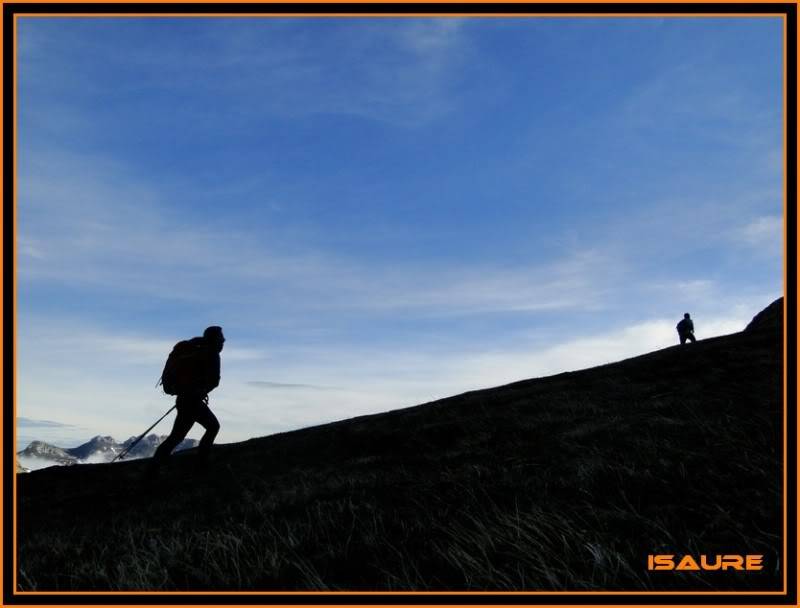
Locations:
(685, 329)
(191, 372)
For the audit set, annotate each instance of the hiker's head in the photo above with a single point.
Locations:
(214, 336)
(686, 315)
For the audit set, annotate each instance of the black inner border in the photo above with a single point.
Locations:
(788, 10)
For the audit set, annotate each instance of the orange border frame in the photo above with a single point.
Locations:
(467, 14)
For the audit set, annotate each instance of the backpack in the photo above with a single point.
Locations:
(185, 368)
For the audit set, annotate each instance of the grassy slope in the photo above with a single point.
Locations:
(560, 483)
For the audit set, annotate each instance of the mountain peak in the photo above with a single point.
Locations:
(100, 448)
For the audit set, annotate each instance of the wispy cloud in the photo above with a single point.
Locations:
(764, 233)
(258, 284)
(80, 342)
(31, 423)
(408, 80)
(698, 94)
(281, 385)
(86, 221)
(257, 68)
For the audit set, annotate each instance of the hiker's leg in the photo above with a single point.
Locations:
(691, 337)
(683, 338)
(206, 418)
(183, 423)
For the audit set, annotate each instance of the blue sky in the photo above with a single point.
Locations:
(380, 212)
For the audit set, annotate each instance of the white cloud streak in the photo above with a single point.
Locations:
(256, 68)
(84, 221)
(764, 233)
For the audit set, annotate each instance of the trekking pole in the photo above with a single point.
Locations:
(140, 437)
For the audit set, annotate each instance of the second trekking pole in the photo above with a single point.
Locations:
(140, 437)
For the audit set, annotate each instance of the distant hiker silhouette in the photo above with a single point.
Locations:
(685, 329)
(191, 372)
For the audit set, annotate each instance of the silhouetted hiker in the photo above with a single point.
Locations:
(685, 329)
(192, 371)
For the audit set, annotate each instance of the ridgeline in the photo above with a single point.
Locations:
(564, 483)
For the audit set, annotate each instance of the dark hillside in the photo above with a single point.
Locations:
(559, 483)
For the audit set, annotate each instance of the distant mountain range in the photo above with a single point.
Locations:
(40, 454)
